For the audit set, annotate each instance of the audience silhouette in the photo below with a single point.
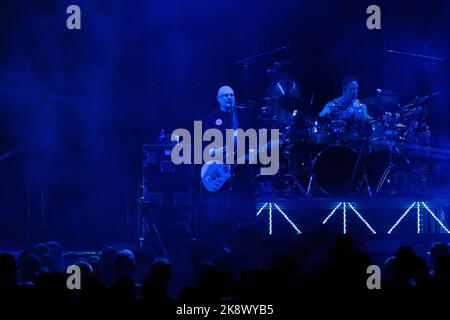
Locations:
(252, 270)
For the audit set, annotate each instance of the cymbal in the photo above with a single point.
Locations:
(284, 91)
(380, 100)
(420, 100)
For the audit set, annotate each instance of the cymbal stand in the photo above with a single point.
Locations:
(245, 66)
(357, 164)
(388, 169)
(391, 165)
(286, 138)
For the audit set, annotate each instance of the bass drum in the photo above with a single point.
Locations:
(334, 168)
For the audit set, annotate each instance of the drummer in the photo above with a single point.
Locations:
(347, 105)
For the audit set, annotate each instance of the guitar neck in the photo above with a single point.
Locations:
(246, 156)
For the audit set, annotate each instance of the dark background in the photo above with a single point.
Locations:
(81, 103)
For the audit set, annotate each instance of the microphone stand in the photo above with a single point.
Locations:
(245, 66)
(404, 53)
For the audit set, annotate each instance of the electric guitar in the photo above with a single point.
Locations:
(215, 173)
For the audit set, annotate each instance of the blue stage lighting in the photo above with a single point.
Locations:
(418, 217)
(435, 217)
(401, 218)
(344, 216)
(277, 207)
(361, 217)
(262, 208)
(270, 218)
(287, 218)
(418, 205)
(332, 212)
(345, 219)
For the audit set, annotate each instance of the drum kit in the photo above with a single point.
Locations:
(346, 156)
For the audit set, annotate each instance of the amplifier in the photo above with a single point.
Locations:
(164, 183)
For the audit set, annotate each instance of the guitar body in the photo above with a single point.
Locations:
(214, 174)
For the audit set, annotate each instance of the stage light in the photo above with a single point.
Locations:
(344, 216)
(273, 205)
(287, 218)
(418, 217)
(262, 208)
(418, 205)
(435, 217)
(345, 219)
(270, 218)
(401, 218)
(332, 212)
(362, 219)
